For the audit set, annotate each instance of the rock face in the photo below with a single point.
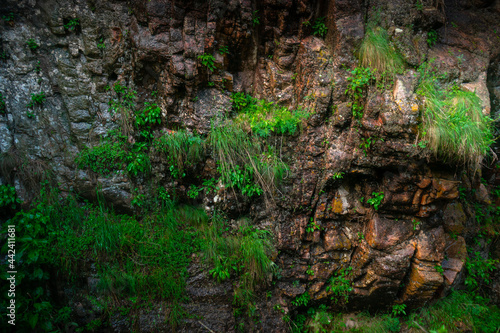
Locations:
(154, 46)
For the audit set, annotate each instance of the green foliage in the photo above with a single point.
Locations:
(8, 197)
(366, 144)
(338, 175)
(182, 149)
(264, 117)
(360, 78)
(319, 27)
(432, 37)
(233, 148)
(142, 260)
(454, 125)
(224, 50)
(301, 300)
(376, 200)
(147, 118)
(101, 44)
(36, 99)
(398, 309)
(392, 324)
(72, 24)
(419, 5)
(32, 44)
(107, 157)
(340, 285)
(2, 104)
(377, 54)
(9, 17)
(194, 191)
(479, 271)
(208, 61)
(244, 254)
(255, 18)
(459, 310)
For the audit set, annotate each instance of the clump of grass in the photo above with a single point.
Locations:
(377, 53)
(264, 118)
(241, 157)
(454, 125)
(243, 254)
(183, 150)
(461, 310)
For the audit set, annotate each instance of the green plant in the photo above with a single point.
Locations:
(182, 149)
(398, 309)
(439, 269)
(432, 37)
(233, 148)
(255, 18)
(340, 285)
(376, 200)
(479, 271)
(415, 223)
(265, 117)
(208, 61)
(101, 44)
(454, 125)
(301, 300)
(9, 17)
(361, 237)
(360, 78)
(244, 254)
(419, 5)
(2, 104)
(377, 54)
(72, 24)
(36, 99)
(107, 157)
(224, 50)
(194, 191)
(32, 44)
(338, 175)
(312, 226)
(148, 117)
(8, 197)
(467, 311)
(309, 271)
(366, 144)
(319, 27)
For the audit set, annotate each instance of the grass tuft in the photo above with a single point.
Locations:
(376, 53)
(454, 124)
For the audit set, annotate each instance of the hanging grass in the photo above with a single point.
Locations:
(455, 128)
(377, 54)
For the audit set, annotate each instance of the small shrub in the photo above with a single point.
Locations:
(376, 200)
(8, 18)
(340, 285)
(107, 157)
(36, 99)
(265, 117)
(72, 24)
(479, 271)
(319, 27)
(255, 18)
(8, 197)
(208, 61)
(32, 44)
(101, 44)
(432, 37)
(301, 300)
(360, 78)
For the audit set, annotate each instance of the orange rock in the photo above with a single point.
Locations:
(336, 240)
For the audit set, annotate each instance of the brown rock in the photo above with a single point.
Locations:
(430, 245)
(423, 282)
(336, 240)
(383, 233)
(454, 218)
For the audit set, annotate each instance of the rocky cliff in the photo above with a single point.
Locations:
(363, 193)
